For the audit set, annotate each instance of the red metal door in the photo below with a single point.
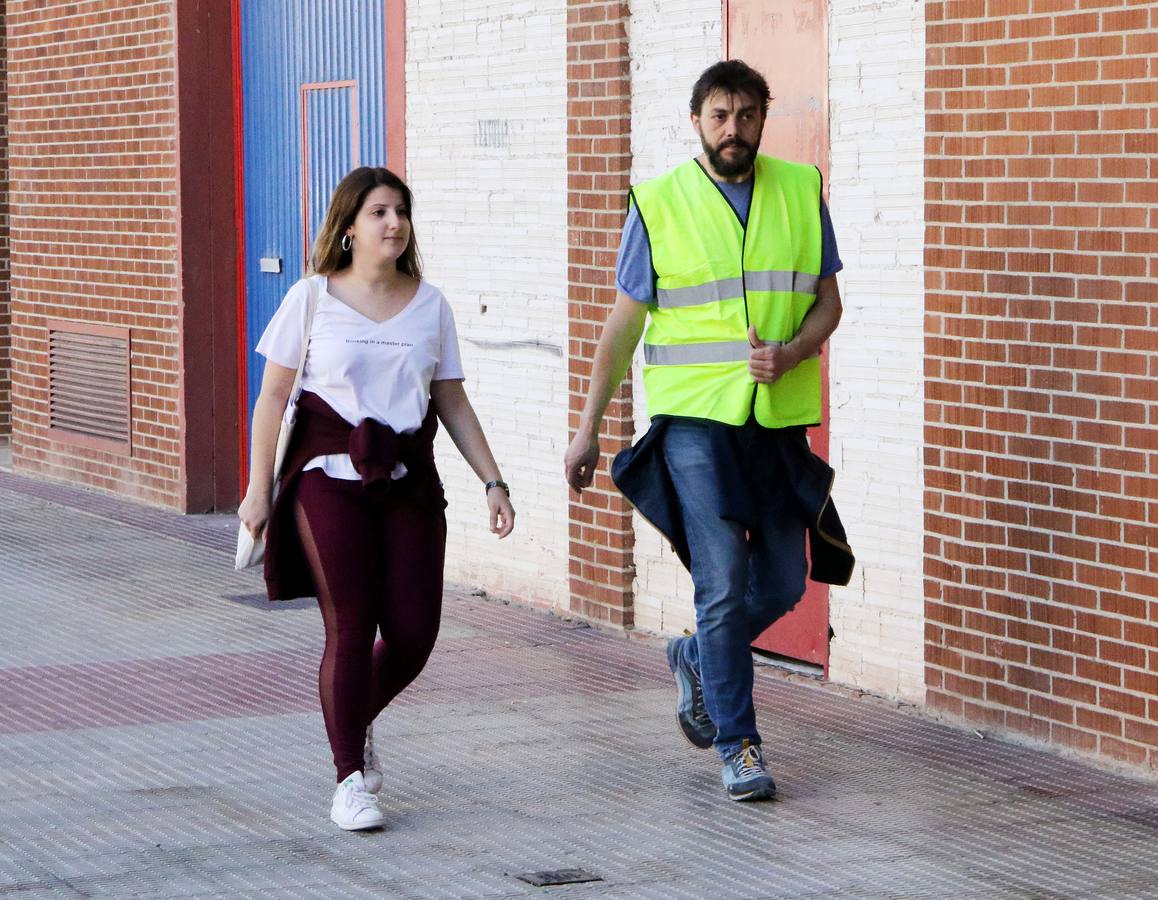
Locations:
(787, 41)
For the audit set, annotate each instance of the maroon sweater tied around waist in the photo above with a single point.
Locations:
(375, 449)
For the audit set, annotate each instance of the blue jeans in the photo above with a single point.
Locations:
(745, 578)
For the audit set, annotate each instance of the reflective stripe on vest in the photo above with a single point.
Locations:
(714, 291)
(715, 277)
(694, 354)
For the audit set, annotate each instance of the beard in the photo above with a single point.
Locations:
(732, 166)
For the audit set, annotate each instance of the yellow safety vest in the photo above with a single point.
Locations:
(714, 277)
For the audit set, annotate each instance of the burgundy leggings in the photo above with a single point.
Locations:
(377, 563)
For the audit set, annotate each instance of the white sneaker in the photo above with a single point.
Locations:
(372, 768)
(354, 807)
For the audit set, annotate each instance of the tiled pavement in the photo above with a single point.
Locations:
(159, 737)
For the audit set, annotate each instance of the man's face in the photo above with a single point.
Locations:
(729, 126)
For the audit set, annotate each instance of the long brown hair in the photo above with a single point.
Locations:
(328, 256)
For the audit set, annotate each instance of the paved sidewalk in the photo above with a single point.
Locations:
(160, 737)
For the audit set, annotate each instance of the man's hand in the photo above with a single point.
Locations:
(769, 360)
(580, 461)
(621, 332)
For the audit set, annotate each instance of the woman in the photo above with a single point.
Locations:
(358, 520)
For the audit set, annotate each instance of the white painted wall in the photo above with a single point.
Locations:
(487, 158)
(671, 44)
(876, 103)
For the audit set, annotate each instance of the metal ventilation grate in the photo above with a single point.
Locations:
(88, 383)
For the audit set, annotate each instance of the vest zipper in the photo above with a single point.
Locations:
(744, 286)
(743, 249)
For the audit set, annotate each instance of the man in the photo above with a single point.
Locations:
(732, 258)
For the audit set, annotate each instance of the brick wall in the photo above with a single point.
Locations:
(1041, 340)
(486, 157)
(671, 44)
(876, 103)
(5, 302)
(598, 167)
(93, 236)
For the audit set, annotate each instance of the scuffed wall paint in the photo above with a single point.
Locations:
(486, 156)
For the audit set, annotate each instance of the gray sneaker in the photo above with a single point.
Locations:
(745, 776)
(695, 723)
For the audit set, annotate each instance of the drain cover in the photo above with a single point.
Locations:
(558, 876)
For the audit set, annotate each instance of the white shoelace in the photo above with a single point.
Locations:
(360, 799)
(748, 763)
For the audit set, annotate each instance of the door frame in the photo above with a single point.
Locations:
(305, 90)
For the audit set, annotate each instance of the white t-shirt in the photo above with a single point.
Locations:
(365, 369)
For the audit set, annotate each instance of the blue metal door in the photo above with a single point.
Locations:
(314, 106)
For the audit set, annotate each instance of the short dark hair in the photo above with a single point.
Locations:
(732, 76)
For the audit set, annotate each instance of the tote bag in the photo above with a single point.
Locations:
(250, 549)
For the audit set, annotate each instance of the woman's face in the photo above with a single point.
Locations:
(381, 230)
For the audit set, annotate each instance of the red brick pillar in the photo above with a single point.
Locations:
(598, 170)
(5, 297)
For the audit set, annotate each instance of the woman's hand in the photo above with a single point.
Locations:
(502, 513)
(276, 386)
(254, 511)
(456, 413)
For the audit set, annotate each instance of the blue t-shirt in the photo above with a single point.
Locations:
(635, 277)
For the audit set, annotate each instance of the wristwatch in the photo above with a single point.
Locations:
(496, 483)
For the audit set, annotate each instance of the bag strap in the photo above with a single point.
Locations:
(311, 308)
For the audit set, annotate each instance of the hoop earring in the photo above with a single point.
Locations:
(347, 242)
